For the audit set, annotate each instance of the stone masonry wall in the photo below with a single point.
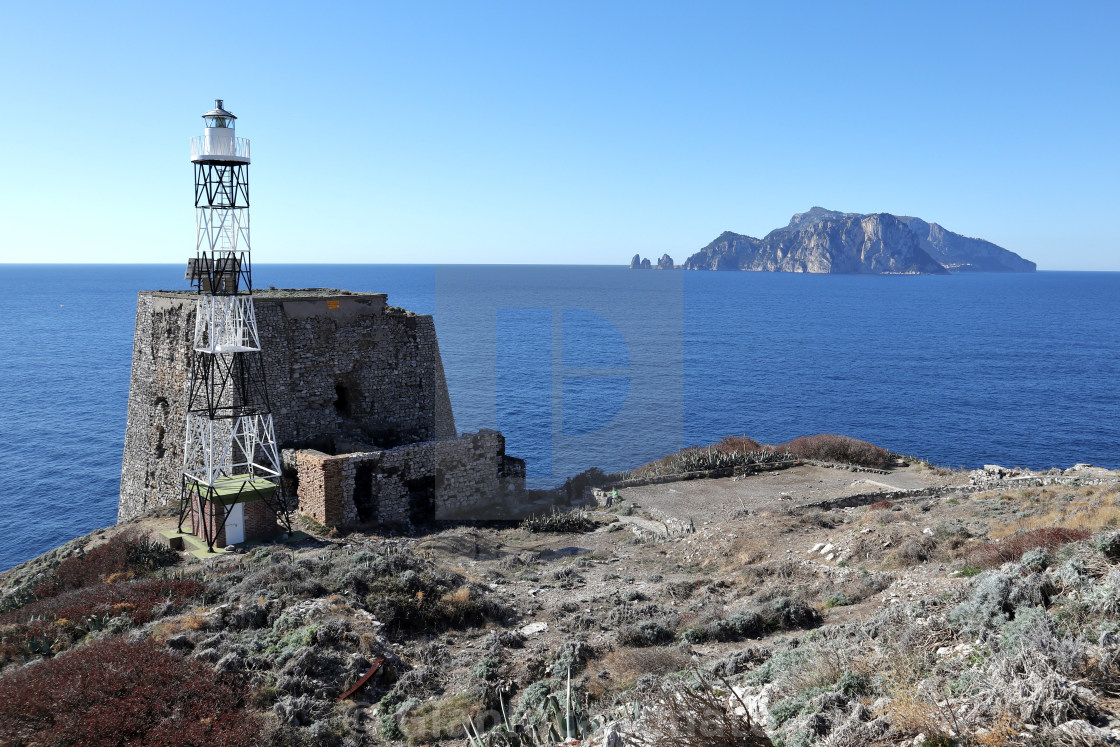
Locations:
(345, 373)
(469, 477)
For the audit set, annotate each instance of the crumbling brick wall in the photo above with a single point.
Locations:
(465, 478)
(258, 519)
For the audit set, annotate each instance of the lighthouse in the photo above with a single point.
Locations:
(231, 484)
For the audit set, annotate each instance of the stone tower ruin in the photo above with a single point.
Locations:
(359, 403)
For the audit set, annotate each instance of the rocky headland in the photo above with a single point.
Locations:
(820, 592)
(827, 241)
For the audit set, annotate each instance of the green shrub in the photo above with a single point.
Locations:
(787, 613)
(737, 627)
(487, 669)
(778, 665)
(1023, 627)
(1038, 559)
(730, 453)
(854, 685)
(434, 720)
(784, 710)
(645, 633)
(1108, 543)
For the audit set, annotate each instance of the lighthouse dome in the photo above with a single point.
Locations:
(218, 116)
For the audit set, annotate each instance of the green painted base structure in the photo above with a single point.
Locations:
(236, 489)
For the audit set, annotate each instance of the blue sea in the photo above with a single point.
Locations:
(608, 367)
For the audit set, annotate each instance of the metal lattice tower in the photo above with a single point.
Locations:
(230, 456)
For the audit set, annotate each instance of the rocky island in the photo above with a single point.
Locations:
(827, 241)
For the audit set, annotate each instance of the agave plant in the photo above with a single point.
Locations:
(558, 723)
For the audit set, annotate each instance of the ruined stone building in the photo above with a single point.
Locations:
(360, 406)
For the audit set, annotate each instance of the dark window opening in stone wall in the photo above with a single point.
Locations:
(289, 481)
(421, 500)
(364, 501)
(342, 399)
(162, 408)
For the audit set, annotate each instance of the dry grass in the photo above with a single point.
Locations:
(440, 719)
(1004, 732)
(460, 596)
(742, 551)
(1085, 515)
(908, 710)
(625, 665)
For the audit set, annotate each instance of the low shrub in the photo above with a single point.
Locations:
(136, 598)
(625, 665)
(780, 665)
(576, 520)
(998, 597)
(1108, 543)
(51, 625)
(487, 669)
(420, 603)
(730, 453)
(571, 657)
(993, 554)
(786, 613)
(128, 554)
(645, 633)
(737, 627)
(692, 712)
(829, 447)
(743, 452)
(786, 709)
(113, 692)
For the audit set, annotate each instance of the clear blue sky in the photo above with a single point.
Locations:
(559, 132)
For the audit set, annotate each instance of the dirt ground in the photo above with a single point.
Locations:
(706, 501)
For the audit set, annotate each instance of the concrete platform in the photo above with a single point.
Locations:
(196, 546)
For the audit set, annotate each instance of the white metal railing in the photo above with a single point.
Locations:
(225, 324)
(237, 147)
(213, 447)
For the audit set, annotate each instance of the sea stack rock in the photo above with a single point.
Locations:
(665, 263)
(636, 263)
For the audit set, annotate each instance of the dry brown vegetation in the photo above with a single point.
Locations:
(919, 623)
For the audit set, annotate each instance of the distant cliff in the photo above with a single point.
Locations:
(827, 241)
